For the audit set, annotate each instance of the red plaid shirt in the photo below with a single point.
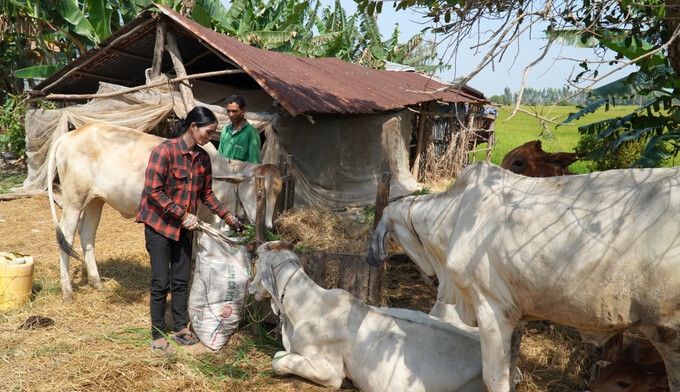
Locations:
(174, 183)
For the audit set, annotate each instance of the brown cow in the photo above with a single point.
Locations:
(629, 375)
(530, 160)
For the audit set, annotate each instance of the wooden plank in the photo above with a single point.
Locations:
(314, 265)
(382, 198)
(355, 275)
(375, 284)
(419, 147)
(347, 279)
(261, 210)
(281, 198)
(16, 195)
(290, 191)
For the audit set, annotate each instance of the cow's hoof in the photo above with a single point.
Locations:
(68, 298)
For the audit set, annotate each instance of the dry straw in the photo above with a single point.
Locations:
(102, 341)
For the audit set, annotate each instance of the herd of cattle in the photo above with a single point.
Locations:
(596, 252)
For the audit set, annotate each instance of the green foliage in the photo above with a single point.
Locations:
(12, 129)
(304, 28)
(11, 179)
(367, 215)
(422, 191)
(625, 156)
(249, 235)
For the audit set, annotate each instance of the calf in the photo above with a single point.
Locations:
(629, 375)
(329, 335)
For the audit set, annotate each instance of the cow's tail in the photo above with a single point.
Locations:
(51, 172)
(377, 249)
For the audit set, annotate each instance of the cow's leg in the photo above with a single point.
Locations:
(89, 221)
(318, 370)
(68, 224)
(515, 345)
(496, 335)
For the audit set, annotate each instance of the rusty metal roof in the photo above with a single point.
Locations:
(299, 84)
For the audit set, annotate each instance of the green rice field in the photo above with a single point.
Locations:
(521, 128)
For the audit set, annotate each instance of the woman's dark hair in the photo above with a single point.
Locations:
(200, 115)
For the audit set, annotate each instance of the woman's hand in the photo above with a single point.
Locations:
(190, 221)
(234, 222)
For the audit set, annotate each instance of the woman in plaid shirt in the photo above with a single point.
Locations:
(179, 173)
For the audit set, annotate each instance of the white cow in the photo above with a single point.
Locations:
(100, 163)
(598, 252)
(329, 335)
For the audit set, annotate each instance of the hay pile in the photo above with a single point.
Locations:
(101, 342)
(316, 228)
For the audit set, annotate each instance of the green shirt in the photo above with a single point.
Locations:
(244, 145)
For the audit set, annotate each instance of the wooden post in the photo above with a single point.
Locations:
(290, 190)
(158, 49)
(314, 265)
(261, 209)
(419, 146)
(382, 197)
(184, 88)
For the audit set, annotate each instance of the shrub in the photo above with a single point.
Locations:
(12, 129)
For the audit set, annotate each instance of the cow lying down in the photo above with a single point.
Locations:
(329, 335)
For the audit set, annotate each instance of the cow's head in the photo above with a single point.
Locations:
(628, 375)
(530, 160)
(247, 190)
(270, 258)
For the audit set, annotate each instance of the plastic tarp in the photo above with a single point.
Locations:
(338, 159)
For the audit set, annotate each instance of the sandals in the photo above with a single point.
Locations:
(186, 338)
(163, 350)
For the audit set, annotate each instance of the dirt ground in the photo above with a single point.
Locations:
(101, 341)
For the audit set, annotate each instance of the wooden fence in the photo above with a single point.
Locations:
(345, 271)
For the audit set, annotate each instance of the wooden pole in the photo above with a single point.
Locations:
(54, 97)
(158, 49)
(184, 88)
(261, 209)
(382, 197)
(290, 190)
(419, 146)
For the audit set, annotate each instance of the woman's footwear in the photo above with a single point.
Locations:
(186, 338)
(162, 349)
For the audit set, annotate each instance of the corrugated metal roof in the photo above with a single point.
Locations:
(318, 85)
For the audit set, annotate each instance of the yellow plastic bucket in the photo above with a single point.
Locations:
(16, 280)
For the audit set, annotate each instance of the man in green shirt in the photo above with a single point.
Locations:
(239, 140)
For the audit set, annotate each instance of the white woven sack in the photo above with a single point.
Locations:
(219, 288)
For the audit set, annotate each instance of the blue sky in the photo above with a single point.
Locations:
(553, 71)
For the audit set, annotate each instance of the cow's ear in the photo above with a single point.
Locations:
(269, 283)
(564, 159)
(537, 145)
(232, 178)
